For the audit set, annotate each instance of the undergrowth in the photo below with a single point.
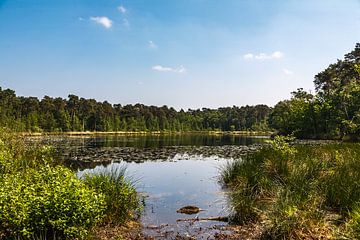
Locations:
(42, 199)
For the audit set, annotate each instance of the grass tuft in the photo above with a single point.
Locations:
(121, 198)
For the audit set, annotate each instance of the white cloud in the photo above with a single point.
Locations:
(249, 56)
(287, 71)
(104, 21)
(81, 19)
(160, 68)
(152, 45)
(181, 69)
(122, 9)
(277, 54)
(264, 56)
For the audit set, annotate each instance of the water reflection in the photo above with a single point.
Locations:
(156, 141)
(172, 171)
(173, 184)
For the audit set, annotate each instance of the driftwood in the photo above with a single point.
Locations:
(219, 219)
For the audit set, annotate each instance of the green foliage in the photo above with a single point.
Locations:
(252, 186)
(239, 176)
(16, 154)
(41, 199)
(52, 200)
(296, 217)
(120, 196)
(79, 114)
(342, 181)
(333, 112)
(296, 188)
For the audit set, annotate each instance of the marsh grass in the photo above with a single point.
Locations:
(121, 199)
(296, 188)
(353, 225)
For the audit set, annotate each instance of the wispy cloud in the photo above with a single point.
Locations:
(152, 45)
(263, 56)
(160, 68)
(248, 56)
(104, 21)
(181, 69)
(122, 9)
(126, 22)
(287, 71)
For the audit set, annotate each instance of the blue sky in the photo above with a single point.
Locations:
(183, 53)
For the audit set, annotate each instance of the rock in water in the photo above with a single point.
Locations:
(189, 210)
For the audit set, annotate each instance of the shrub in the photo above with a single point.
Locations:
(50, 201)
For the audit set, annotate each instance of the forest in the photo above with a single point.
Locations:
(79, 114)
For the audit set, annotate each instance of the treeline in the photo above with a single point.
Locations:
(80, 114)
(333, 112)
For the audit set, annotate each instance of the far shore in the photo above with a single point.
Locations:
(130, 133)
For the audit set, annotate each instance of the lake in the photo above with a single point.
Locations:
(170, 171)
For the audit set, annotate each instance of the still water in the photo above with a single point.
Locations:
(170, 172)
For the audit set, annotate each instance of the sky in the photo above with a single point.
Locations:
(180, 53)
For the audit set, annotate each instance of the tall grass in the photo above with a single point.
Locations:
(298, 190)
(121, 198)
(16, 154)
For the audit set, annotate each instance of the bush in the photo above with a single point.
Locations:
(39, 198)
(49, 201)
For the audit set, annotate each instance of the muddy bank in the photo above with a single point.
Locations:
(133, 231)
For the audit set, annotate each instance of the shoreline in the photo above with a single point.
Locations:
(146, 133)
